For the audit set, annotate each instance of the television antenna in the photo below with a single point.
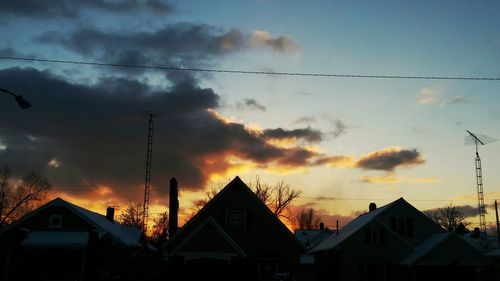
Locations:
(476, 140)
(147, 180)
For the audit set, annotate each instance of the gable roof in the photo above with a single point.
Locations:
(427, 249)
(125, 235)
(235, 183)
(353, 227)
(210, 222)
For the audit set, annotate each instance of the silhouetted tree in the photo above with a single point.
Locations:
(308, 219)
(160, 231)
(449, 217)
(282, 196)
(132, 216)
(17, 202)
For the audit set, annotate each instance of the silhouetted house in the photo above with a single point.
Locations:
(62, 241)
(233, 237)
(397, 242)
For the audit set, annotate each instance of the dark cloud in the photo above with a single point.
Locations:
(180, 44)
(339, 128)
(305, 119)
(97, 137)
(72, 8)
(250, 104)
(467, 211)
(389, 159)
(308, 134)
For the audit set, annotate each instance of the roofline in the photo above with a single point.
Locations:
(30, 214)
(219, 229)
(218, 195)
(447, 236)
(387, 206)
(64, 203)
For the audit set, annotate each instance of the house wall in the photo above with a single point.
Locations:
(363, 261)
(14, 259)
(266, 241)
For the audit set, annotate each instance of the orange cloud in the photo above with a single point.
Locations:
(393, 179)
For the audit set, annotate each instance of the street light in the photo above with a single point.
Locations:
(24, 104)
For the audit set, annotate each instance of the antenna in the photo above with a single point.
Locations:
(475, 139)
(147, 181)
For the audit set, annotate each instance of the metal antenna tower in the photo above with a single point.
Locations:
(147, 180)
(474, 139)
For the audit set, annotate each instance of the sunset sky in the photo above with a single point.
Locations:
(344, 142)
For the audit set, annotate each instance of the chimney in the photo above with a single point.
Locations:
(110, 214)
(173, 207)
(372, 207)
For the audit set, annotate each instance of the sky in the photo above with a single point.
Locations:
(343, 142)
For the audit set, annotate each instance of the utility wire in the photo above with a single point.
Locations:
(170, 68)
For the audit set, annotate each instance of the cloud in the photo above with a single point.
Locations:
(260, 38)
(467, 211)
(179, 44)
(339, 128)
(455, 100)
(428, 96)
(417, 130)
(71, 8)
(95, 131)
(250, 104)
(308, 134)
(305, 119)
(337, 161)
(393, 179)
(390, 158)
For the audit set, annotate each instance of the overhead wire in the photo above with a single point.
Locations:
(250, 72)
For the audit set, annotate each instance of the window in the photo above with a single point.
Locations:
(374, 236)
(394, 224)
(409, 227)
(55, 221)
(236, 219)
(403, 227)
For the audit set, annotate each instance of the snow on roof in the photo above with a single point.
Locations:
(422, 249)
(490, 242)
(311, 238)
(457, 251)
(127, 235)
(350, 228)
(56, 239)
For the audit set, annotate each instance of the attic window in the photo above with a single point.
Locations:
(236, 219)
(55, 221)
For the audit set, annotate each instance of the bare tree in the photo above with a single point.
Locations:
(263, 191)
(17, 202)
(281, 198)
(160, 231)
(308, 219)
(449, 217)
(132, 216)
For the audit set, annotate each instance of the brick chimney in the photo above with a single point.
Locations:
(110, 214)
(173, 207)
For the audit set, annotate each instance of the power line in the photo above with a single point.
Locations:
(233, 71)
